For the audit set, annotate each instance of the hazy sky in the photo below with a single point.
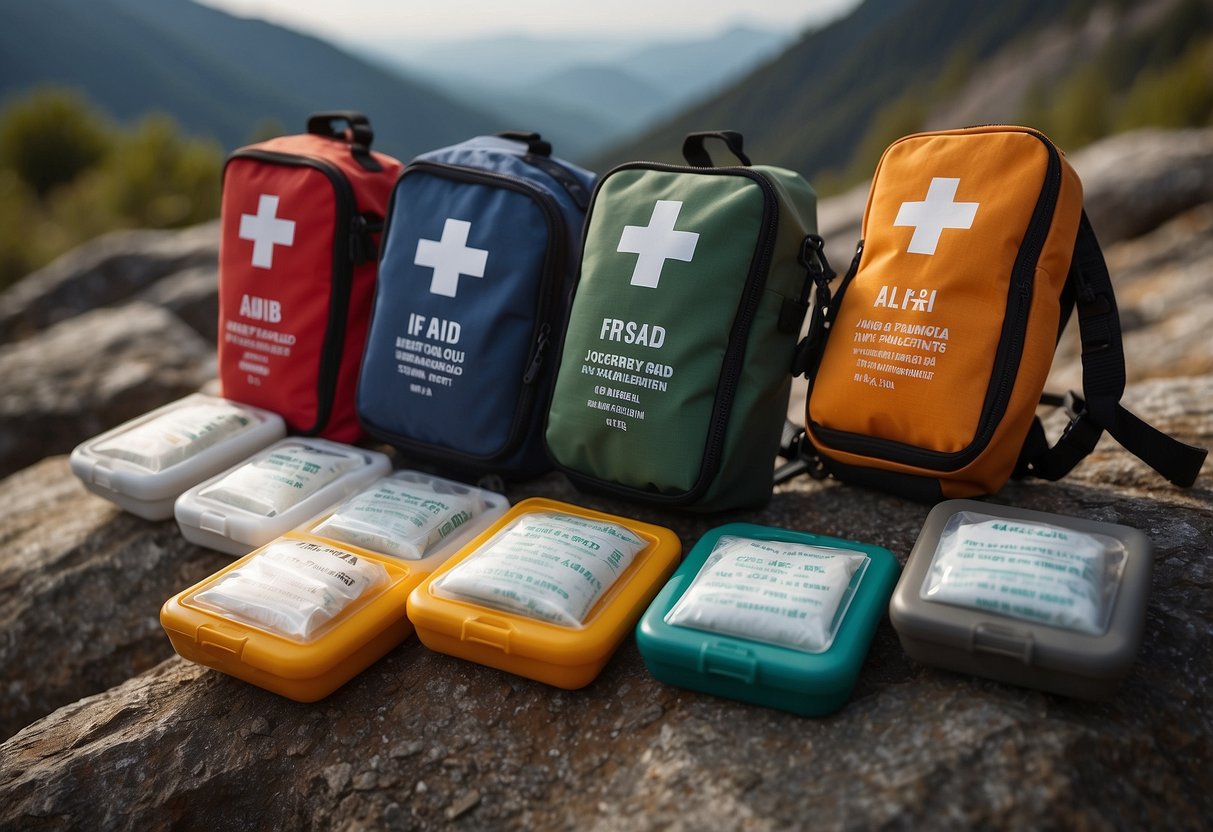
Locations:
(371, 21)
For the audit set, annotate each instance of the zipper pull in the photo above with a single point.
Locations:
(541, 346)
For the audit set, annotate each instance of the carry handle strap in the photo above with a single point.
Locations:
(539, 155)
(1103, 382)
(695, 154)
(535, 145)
(357, 133)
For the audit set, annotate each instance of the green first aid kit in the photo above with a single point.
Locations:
(770, 616)
(675, 370)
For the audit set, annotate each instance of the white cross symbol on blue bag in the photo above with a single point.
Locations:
(938, 211)
(656, 243)
(450, 257)
(266, 230)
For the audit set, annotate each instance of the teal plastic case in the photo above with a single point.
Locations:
(809, 684)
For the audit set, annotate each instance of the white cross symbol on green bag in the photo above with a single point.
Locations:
(656, 243)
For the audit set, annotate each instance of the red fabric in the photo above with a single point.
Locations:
(273, 321)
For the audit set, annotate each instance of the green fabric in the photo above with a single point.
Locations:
(638, 414)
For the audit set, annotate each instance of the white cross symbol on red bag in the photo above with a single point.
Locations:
(266, 230)
(937, 212)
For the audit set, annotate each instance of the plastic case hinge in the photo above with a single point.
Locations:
(219, 642)
(727, 660)
(101, 476)
(490, 631)
(212, 522)
(1002, 641)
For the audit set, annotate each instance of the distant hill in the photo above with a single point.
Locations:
(584, 94)
(215, 73)
(1081, 69)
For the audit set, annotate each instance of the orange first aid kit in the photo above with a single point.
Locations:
(548, 592)
(928, 364)
(311, 609)
(301, 219)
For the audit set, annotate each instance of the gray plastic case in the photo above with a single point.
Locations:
(1023, 652)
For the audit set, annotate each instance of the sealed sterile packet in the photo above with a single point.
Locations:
(1028, 597)
(771, 616)
(779, 592)
(1037, 572)
(144, 464)
(278, 489)
(293, 588)
(306, 612)
(546, 565)
(410, 515)
(548, 592)
(300, 616)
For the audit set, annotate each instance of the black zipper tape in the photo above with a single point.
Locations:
(734, 357)
(547, 309)
(342, 274)
(1006, 358)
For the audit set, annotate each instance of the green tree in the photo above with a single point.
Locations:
(1180, 95)
(49, 137)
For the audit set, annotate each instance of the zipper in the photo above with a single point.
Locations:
(554, 262)
(1006, 358)
(734, 357)
(342, 274)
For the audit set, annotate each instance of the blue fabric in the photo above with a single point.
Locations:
(442, 376)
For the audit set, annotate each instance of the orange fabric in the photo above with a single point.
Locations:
(913, 347)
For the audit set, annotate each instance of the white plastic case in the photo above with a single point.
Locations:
(234, 527)
(148, 489)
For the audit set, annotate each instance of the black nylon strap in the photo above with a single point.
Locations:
(1103, 383)
(357, 133)
(697, 156)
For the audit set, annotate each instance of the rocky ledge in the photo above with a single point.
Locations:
(106, 729)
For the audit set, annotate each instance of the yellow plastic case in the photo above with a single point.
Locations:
(565, 657)
(353, 640)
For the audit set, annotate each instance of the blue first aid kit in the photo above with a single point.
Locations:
(481, 244)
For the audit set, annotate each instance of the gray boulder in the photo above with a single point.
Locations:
(81, 584)
(102, 272)
(92, 372)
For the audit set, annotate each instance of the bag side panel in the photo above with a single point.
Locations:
(913, 347)
(760, 409)
(454, 316)
(371, 191)
(276, 257)
(991, 470)
(648, 333)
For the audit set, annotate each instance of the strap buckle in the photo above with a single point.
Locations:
(1081, 433)
(800, 456)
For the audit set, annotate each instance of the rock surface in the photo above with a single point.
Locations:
(420, 739)
(120, 734)
(83, 582)
(92, 372)
(104, 271)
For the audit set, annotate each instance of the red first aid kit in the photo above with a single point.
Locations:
(301, 220)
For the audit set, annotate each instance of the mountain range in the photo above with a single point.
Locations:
(218, 75)
(585, 94)
(824, 104)
(1079, 70)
